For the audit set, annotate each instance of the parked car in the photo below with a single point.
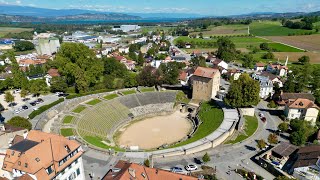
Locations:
(25, 107)
(17, 111)
(26, 99)
(40, 100)
(36, 108)
(63, 95)
(191, 167)
(33, 103)
(176, 169)
(198, 161)
(16, 91)
(58, 93)
(263, 119)
(12, 104)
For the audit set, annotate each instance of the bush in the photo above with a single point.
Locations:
(44, 108)
(146, 163)
(18, 121)
(268, 55)
(273, 139)
(206, 158)
(272, 104)
(283, 127)
(72, 96)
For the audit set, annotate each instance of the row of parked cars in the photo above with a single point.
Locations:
(25, 107)
(189, 167)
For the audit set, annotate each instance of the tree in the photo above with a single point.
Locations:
(36, 86)
(206, 158)
(273, 138)
(243, 92)
(226, 49)
(133, 56)
(264, 46)
(268, 55)
(304, 59)
(8, 97)
(140, 59)
(23, 46)
(23, 93)
(147, 77)
(248, 61)
(302, 130)
(58, 84)
(283, 127)
(261, 144)
(198, 61)
(18, 121)
(169, 72)
(298, 138)
(146, 163)
(272, 104)
(114, 67)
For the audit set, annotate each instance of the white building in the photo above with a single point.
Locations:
(124, 50)
(48, 46)
(304, 109)
(266, 88)
(126, 28)
(40, 155)
(259, 67)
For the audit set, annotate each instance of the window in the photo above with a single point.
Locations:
(78, 172)
(26, 165)
(4, 165)
(37, 159)
(62, 172)
(12, 153)
(76, 161)
(49, 170)
(19, 163)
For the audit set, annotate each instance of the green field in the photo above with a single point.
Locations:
(151, 89)
(6, 30)
(67, 119)
(272, 28)
(240, 42)
(250, 128)
(67, 132)
(129, 92)
(233, 29)
(283, 48)
(97, 141)
(181, 97)
(93, 102)
(110, 96)
(79, 109)
(211, 116)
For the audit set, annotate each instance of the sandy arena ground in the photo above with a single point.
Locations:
(156, 131)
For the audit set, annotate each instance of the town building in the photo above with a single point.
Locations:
(259, 67)
(51, 74)
(233, 73)
(307, 165)
(290, 97)
(124, 170)
(48, 46)
(205, 83)
(43, 156)
(221, 65)
(303, 109)
(126, 28)
(268, 76)
(277, 69)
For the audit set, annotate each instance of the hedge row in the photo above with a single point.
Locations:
(44, 108)
(72, 96)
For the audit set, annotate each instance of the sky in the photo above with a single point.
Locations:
(203, 7)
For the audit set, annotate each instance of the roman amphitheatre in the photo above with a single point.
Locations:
(134, 120)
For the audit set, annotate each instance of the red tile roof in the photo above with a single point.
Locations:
(260, 64)
(53, 72)
(138, 172)
(302, 104)
(205, 72)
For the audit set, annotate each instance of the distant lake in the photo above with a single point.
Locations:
(113, 21)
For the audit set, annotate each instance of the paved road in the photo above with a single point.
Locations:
(224, 158)
(183, 53)
(8, 114)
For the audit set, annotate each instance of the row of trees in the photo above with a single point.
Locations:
(298, 24)
(23, 46)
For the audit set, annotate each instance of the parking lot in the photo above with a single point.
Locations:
(24, 107)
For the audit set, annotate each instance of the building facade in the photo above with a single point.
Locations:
(44, 156)
(304, 109)
(205, 83)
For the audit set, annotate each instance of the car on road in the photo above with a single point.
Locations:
(263, 119)
(176, 170)
(198, 161)
(191, 167)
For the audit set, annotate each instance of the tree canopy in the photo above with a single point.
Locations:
(23, 46)
(226, 49)
(18, 121)
(243, 92)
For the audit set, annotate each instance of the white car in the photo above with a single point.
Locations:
(36, 108)
(17, 111)
(191, 167)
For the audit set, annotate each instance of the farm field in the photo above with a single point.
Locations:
(240, 42)
(6, 30)
(294, 56)
(224, 30)
(272, 28)
(283, 48)
(308, 42)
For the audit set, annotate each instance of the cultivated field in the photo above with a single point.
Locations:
(308, 42)
(153, 132)
(224, 30)
(6, 30)
(272, 28)
(283, 48)
(294, 56)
